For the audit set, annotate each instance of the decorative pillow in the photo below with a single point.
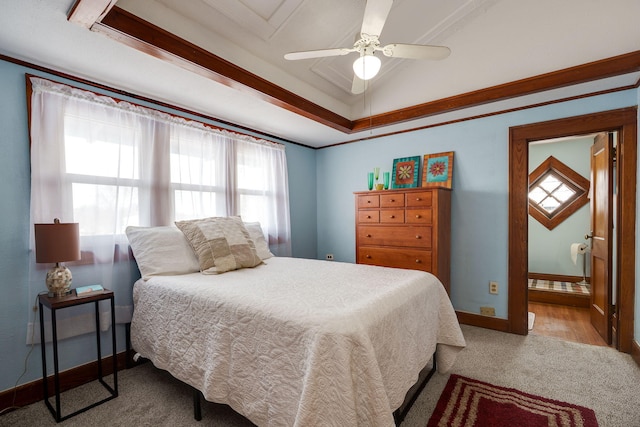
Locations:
(262, 247)
(221, 244)
(161, 251)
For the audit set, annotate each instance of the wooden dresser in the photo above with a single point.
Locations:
(405, 228)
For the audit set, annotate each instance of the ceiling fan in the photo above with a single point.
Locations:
(367, 44)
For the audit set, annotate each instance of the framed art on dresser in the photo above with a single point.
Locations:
(437, 170)
(406, 172)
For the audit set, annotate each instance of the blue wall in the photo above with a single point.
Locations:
(321, 185)
(14, 226)
(15, 307)
(479, 245)
(301, 165)
(549, 250)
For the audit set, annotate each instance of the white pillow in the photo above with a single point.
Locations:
(262, 247)
(161, 251)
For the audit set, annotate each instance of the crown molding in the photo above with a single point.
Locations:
(146, 37)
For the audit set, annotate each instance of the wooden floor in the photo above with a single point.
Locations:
(564, 322)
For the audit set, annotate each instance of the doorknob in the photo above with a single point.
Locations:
(588, 236)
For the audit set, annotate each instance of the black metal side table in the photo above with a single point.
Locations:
(72, 300)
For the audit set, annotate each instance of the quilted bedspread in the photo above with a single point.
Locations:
(298, 342)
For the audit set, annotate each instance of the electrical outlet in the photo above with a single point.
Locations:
(329, 257)
(493, 287)
(487, 311)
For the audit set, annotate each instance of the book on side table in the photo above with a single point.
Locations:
(85, 291)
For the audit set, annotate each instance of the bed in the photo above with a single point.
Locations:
(298, 342)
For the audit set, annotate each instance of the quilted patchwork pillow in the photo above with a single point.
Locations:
(220, 243)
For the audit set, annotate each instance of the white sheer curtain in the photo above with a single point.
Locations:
(108, 164)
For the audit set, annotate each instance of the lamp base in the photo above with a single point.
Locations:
(59, 281)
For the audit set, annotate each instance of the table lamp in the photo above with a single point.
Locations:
(56, 243)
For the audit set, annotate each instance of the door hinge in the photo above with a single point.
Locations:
(614, 154)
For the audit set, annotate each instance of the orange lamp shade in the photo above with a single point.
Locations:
(57, 242)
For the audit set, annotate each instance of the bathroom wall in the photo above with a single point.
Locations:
(549, 249)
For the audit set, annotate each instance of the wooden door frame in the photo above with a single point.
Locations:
(624, 121)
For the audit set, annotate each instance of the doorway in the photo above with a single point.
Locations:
(559, 273)
(624, 122)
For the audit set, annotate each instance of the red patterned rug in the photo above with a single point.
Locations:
(470, 403)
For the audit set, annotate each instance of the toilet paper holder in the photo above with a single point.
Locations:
(581, 249)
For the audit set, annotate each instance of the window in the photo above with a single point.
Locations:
(555, 192)
(111, 164)
(108, 164)
(101, 164)
(552, 192)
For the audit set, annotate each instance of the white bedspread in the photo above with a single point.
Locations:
(298, 342)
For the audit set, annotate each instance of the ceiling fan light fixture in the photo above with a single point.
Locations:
(367, 66)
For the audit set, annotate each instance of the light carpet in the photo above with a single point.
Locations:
(595, 377)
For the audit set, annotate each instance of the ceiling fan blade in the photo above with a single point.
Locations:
(415, 51)
(375, 15)
(318, 53)
(358, 86)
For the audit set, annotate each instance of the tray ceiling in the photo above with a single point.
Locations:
(494, 43)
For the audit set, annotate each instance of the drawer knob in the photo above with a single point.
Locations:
(393, 200)
(418, 261)
(368, 256)
(392, 216)
(368, 216)
(418, 199)
(368, 201)
(418, 216)
(418, 237)
(368, 235)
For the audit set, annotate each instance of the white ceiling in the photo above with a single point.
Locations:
(492, 42)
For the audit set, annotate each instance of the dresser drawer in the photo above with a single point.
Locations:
(392, 200)
(392, 216)
(372, 216)
(395, 236)
(418, 199)
(419, 216)
(368, 201)
(413, 259)
(405, 228)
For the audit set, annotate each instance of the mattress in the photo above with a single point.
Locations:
(297, 342)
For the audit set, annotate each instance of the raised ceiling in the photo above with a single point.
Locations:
(494, 43)
(241, 31)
